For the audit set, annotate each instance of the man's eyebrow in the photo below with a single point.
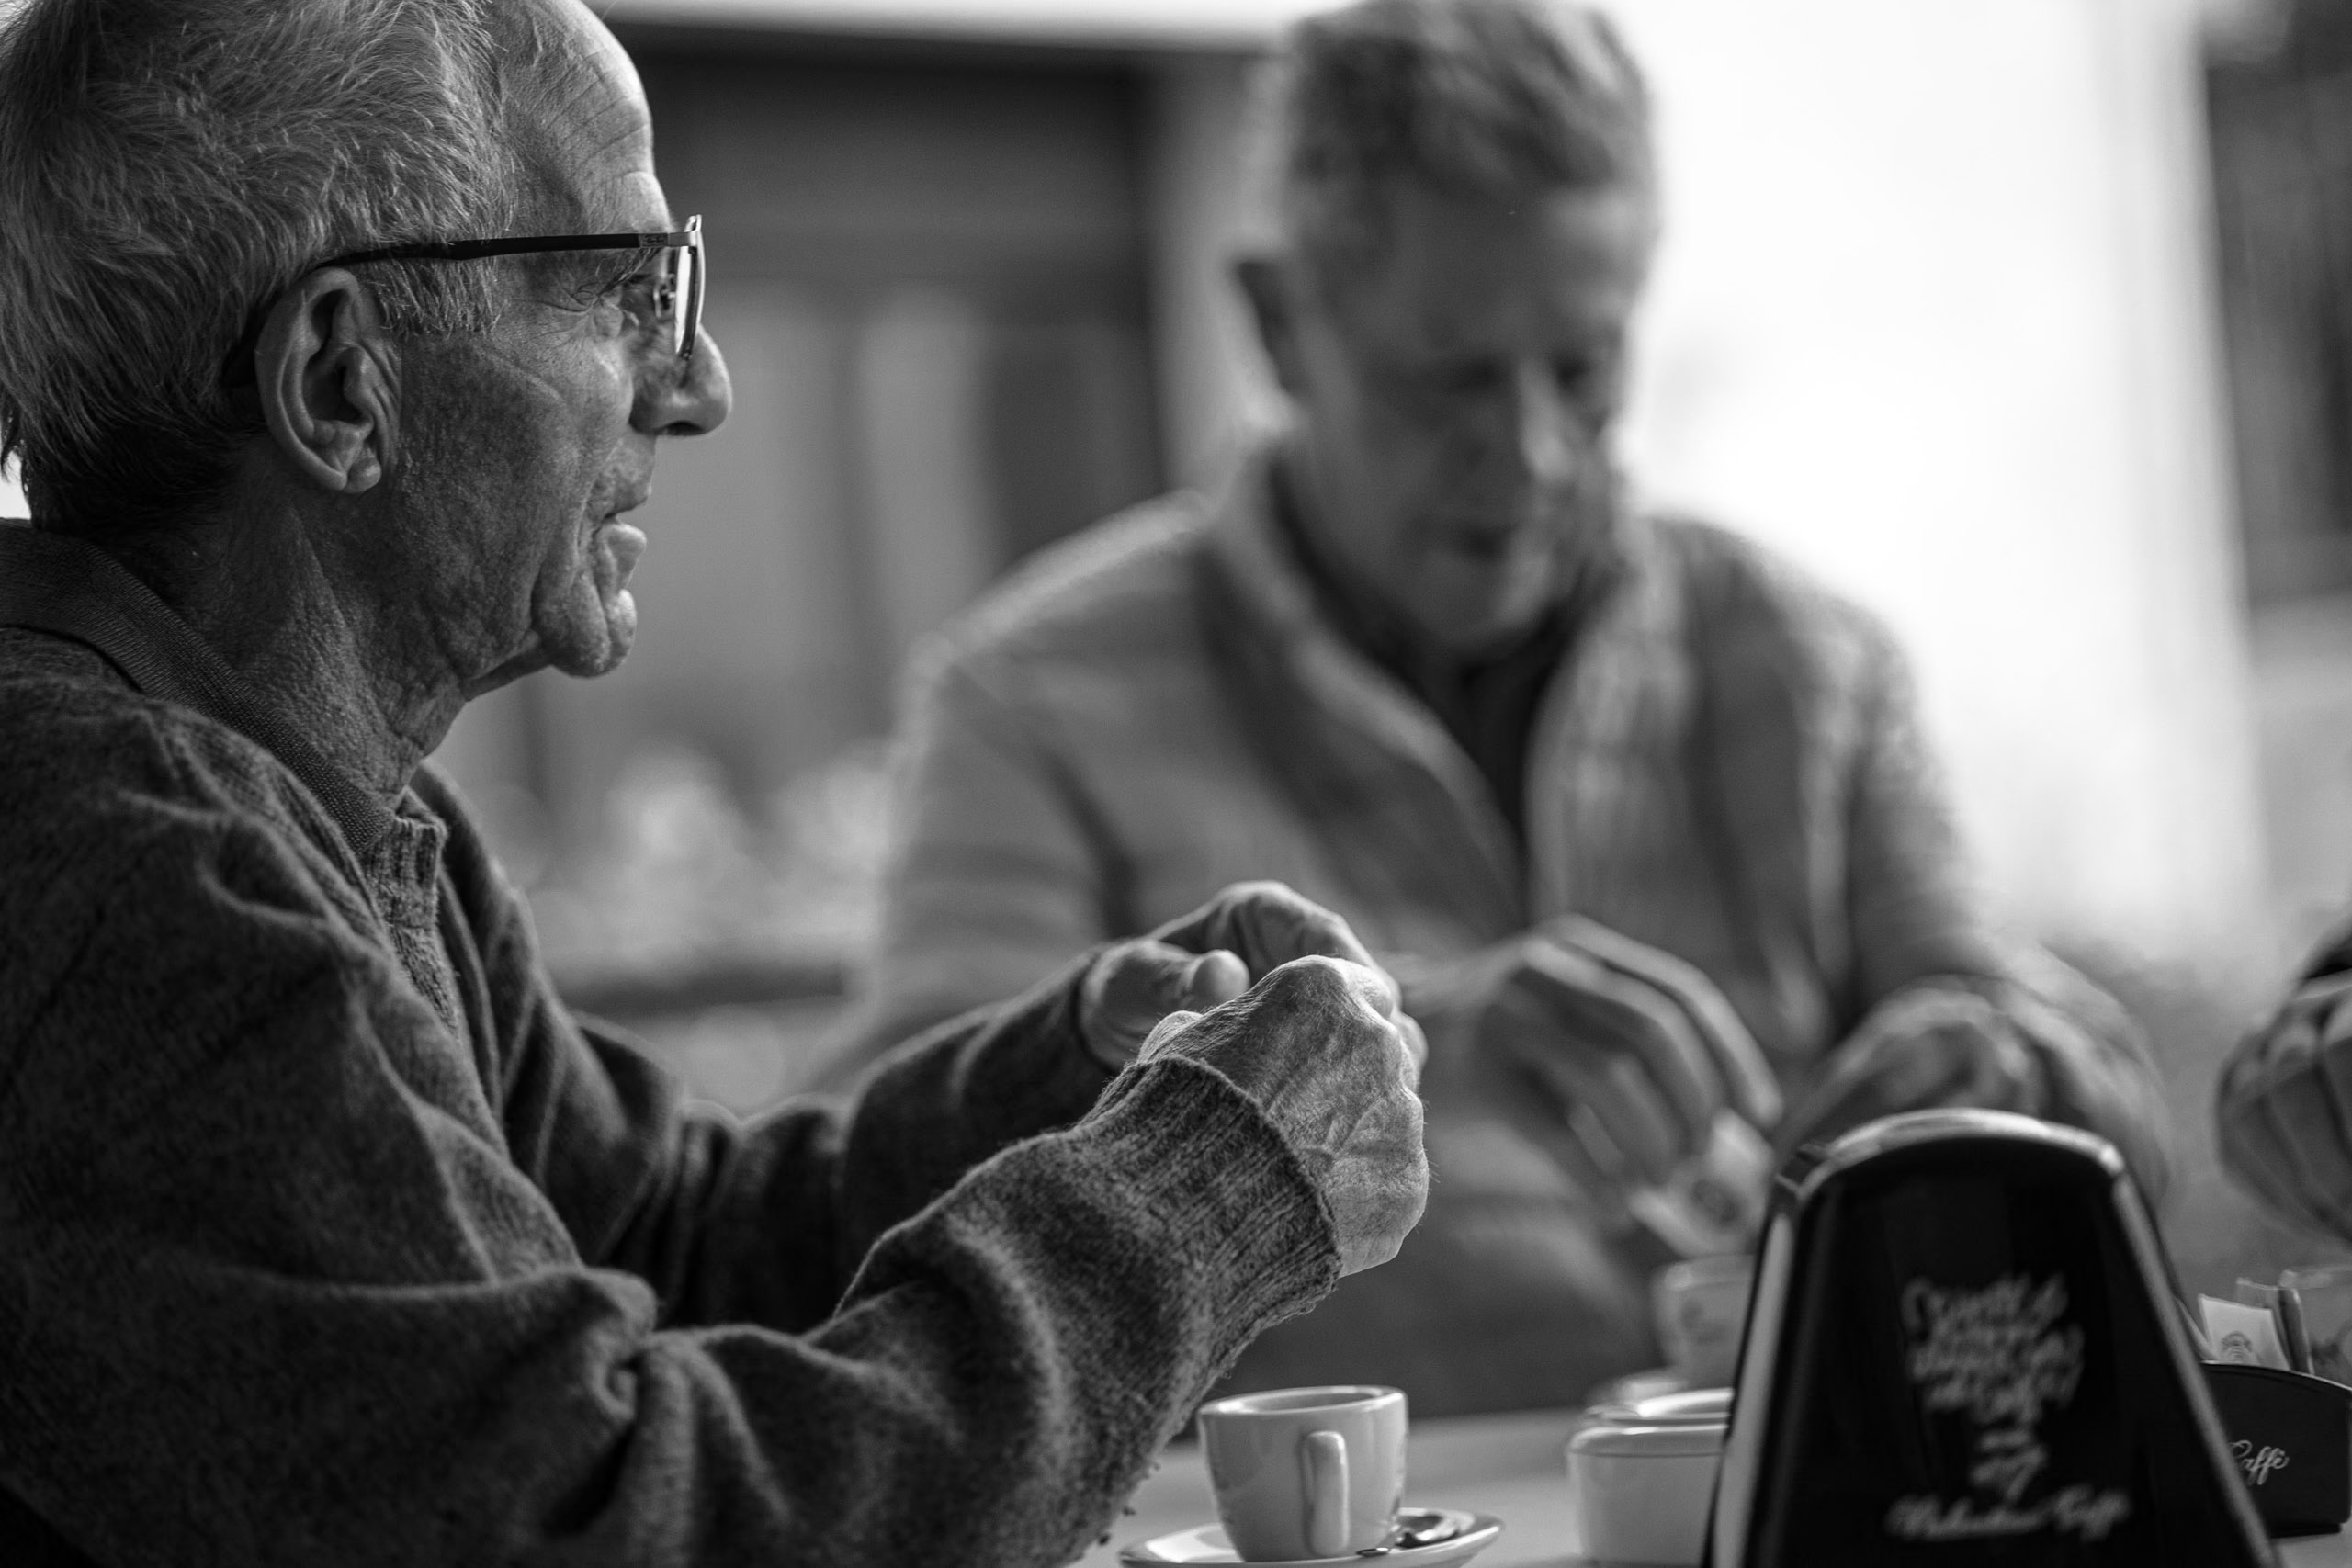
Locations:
(577, 270)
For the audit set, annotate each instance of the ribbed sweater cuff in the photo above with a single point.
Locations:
(1188, 1146)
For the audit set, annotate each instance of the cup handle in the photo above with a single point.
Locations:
(1323, 1457)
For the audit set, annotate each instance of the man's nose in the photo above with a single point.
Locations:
(1541, 438)
(694, 400)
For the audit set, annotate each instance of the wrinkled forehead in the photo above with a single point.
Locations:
(579, 121)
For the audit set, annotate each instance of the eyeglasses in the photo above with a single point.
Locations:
(677, 290)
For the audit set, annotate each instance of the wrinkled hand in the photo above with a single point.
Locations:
(1212, 955)
(1929, 1047)
(1318, 1045)
(1634, 1052)
(2281, 1108)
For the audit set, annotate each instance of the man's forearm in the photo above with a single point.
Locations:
(765, 1221)
(1007, 1364)
(359, 1307)
(957, 1095)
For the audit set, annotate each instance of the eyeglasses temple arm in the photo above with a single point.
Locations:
(473, 250)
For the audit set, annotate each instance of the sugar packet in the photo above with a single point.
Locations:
(2247, 1336)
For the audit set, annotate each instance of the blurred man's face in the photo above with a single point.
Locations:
(1455, 403)
(532, 440)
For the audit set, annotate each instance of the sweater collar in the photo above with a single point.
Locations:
(66, 587)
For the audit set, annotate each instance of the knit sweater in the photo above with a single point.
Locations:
(328, 1235)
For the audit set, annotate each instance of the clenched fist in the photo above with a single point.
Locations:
(1212, 955)
(1318, 1044)
(1617, 1056)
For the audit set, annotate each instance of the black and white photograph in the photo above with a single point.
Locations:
(1095, 783)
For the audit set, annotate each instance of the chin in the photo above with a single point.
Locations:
(592, 643)
(1463, 599)
(600, 660)
(1469, 623)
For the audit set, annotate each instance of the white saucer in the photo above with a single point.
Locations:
(1206, 1544)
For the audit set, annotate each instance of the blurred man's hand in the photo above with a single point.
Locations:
(1318, 1045)
(2282, 1108)
(1633, 1052)
(1212, 955)
(1930, 1045)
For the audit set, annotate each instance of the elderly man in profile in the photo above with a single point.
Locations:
(1637, 811)
(336, 337)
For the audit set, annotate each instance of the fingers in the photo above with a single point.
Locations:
(2252, 1151)
(1628, 1017)
(1135, 985)
(1311, 1013)
(1416, 1045)
(1616, 1108)
(1566, 1130)
(1168, 1029)
(2304, 1129)
(1946, 1050)
(2005, 1077)
(1876, 1078)
(1601, 1039)
(1748, 1078)
(2278, 1145)
(1641, 1050)
(1214, 978)
(2281, 1114)
(2323, 1001)
(1267, 925)
(1367, 989)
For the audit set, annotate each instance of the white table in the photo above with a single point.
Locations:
(1511, 1466)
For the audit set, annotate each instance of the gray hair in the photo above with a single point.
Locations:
(1482, 98)
(167, 167)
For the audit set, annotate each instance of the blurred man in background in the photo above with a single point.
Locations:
(336, 337)
(1639, 812)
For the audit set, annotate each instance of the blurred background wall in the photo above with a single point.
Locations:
(2027, 322)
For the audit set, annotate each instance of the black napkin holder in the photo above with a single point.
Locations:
(1964, 1349)
(2292, 1436)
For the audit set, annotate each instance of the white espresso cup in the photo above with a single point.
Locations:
(1303, 1472)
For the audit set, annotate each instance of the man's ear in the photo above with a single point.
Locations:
(323, 368)
(1271, 285)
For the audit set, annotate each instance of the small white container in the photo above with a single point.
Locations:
(1642, 1485)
